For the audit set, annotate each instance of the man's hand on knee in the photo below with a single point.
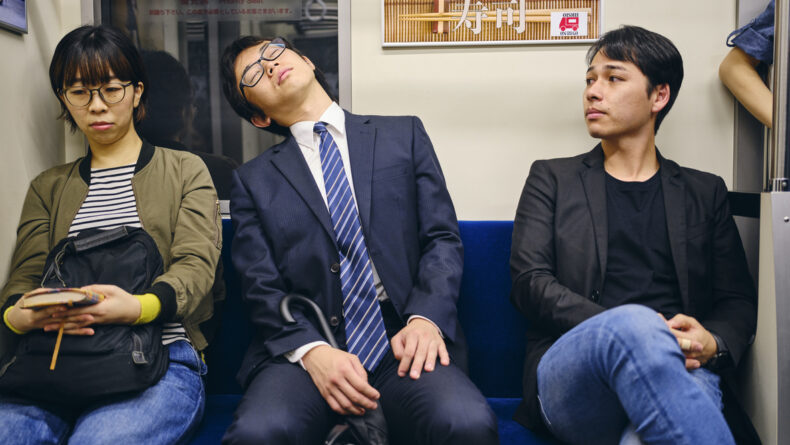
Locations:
(696, 342)
(341, 379)
(416, 346)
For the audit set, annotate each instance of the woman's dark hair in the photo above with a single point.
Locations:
(230, 85)
(92, 52)
(655, 55)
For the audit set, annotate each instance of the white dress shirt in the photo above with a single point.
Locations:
(309, 144)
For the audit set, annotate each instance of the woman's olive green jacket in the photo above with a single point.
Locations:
(177, 206)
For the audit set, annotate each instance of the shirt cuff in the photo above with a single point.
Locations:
(8, 323)
(297, 354)
(150, 307)
(412, 317)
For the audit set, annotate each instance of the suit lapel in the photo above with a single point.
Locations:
(361, 149)
(594, 185)
(290, 162)
(675, 208)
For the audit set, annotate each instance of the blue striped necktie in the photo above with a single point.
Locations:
(365, 334)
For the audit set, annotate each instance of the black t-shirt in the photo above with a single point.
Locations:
(639, 266)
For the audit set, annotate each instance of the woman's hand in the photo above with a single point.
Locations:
(26, 320)
(118, 307)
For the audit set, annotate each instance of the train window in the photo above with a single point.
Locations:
(182, 42)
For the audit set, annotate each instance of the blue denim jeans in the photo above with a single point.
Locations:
(165, 413)
(621, 372)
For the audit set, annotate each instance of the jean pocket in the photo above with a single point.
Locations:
(200, 364)
(182, 352)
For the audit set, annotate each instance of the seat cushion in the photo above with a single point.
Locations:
(510, 431)
(494, 329)
(216, 418)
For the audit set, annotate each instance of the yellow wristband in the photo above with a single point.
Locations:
(150, 306)
(8, 323)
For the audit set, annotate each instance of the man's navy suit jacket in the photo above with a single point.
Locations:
(284, 241)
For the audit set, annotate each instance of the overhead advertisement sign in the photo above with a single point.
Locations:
(489, 22)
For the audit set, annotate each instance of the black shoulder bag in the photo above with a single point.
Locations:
(116, 359)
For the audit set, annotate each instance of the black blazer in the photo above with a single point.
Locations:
(284, 241)
(559, 251)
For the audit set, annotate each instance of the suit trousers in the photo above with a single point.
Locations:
(283, 406)
(622, 370)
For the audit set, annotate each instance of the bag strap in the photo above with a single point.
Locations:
(99, 239)
(55, 267)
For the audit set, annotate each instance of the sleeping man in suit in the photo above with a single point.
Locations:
(352, 212)
(630, 269)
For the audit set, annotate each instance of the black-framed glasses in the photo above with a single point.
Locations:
(110, 93)
(253, 72)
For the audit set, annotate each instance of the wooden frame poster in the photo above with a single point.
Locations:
(489, 22)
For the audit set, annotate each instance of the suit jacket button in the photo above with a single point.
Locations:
(334, 321)
(596, 296)
(334, 268)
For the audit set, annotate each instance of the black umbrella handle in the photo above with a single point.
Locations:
(370, 429)
(285, 311)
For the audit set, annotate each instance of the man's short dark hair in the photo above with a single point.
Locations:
(92, 52)
(655, 55)
(230, 85)
(170, 101)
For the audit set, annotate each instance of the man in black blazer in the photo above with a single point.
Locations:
(352, 212)
(631, 271)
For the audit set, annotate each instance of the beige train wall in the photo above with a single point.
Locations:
(491, 111)
(31, 139)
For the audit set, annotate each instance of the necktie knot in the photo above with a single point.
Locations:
(319, 128)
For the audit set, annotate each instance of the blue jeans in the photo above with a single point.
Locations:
(165, 413)
(623, 369)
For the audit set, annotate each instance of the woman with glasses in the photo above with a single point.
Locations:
(97, 75)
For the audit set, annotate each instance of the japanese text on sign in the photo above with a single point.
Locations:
(267, 10)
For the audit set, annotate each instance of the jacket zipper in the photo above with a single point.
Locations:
(217, 222)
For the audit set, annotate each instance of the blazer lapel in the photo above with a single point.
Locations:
(675, 208)
(361, 138)
(290, 162)
(594, 185)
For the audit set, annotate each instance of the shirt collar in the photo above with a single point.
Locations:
(333, 116)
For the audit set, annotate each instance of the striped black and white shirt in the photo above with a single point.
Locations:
(111, 203)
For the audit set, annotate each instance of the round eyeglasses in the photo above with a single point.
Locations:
(110, 93)
(253, 72)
